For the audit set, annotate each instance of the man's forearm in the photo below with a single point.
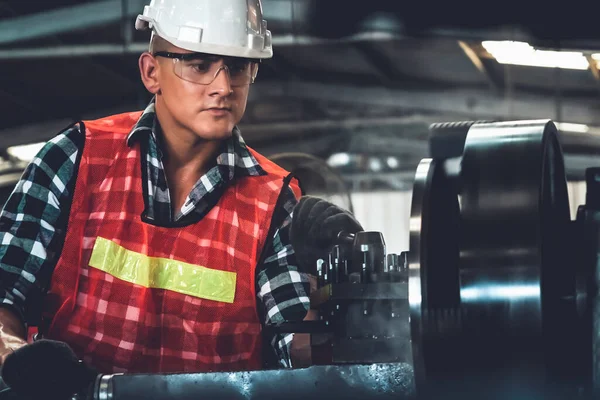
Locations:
(12, 333)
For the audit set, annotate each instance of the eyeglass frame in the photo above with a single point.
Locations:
(194, 56)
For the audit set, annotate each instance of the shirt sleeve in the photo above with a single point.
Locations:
(33, 223)
(282, 289)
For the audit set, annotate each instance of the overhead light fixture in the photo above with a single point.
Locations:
(393, 162)
(375, 164)
(569, 127)
(25, 152)
(522, 53)
(339, 160)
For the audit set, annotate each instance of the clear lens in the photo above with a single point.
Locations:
(204, 71)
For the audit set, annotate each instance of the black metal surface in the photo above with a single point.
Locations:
(586, 256)
(491, 289)
(359, 291)
(373, 350)
(447, 139)
(382, 381)
(368, 255)
(432, 262)
(514, 211)
(296, 327)
(362, 303)
(581, 149)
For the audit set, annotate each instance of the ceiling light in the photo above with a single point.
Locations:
(521, 53)
(375, 164)
(25, 152)
(339, 160)
(568, 127)
(393, 162)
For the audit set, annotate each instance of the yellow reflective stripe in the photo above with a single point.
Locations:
(163, 273)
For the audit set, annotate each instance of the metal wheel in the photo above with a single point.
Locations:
(433, 264)
(493, 293)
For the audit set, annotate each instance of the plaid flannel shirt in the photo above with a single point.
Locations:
(34, 220)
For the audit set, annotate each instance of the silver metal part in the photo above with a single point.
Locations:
(377, 381)
(416, 257)
(432, 262)
(104, 387)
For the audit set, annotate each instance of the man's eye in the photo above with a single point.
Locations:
(238, 67)
(200, 66)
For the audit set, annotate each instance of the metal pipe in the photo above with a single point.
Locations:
(377, 381)
(65, 19)
(138, 48)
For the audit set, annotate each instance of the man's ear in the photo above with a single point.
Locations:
(149, 72)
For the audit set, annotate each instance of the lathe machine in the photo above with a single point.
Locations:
(495, 298)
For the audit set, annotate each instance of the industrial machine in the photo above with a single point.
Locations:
(502, 285)
(496, 297)
(316, 177)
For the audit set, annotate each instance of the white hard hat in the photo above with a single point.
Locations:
(223, 27)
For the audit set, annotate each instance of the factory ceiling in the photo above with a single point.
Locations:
(383, 74)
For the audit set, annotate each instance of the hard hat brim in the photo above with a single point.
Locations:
(142, 23)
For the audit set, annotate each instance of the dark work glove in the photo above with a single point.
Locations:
(46, 369)
(315, 227)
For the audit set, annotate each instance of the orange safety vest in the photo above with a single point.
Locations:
(130, 296)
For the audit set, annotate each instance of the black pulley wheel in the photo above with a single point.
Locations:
(433, 262)
(517, 290)
(447, 139)
(491, 289)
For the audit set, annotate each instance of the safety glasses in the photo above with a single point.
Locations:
(203, 69)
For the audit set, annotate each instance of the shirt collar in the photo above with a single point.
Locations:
(146, 123)
(237, 159)
(235, 156)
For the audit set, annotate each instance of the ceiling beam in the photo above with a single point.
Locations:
(66, 19)
(256, 131)
(482, 65)
(379, 61)
(282, 15)
(280, 66)
(111, 49)
(127, 33)
(594, 68)
(266, 130)
(466, 103)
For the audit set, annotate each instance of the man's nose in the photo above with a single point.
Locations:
(221, 85)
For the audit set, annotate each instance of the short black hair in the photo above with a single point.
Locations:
(158, 44)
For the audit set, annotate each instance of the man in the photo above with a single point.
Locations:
(154, 233)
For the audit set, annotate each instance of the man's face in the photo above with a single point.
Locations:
(210, 111)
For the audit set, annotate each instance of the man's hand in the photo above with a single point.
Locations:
(12, 333)
(315, 226)
(46, 369)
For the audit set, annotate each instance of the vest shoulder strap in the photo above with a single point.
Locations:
(117, 124)
(271, 168)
